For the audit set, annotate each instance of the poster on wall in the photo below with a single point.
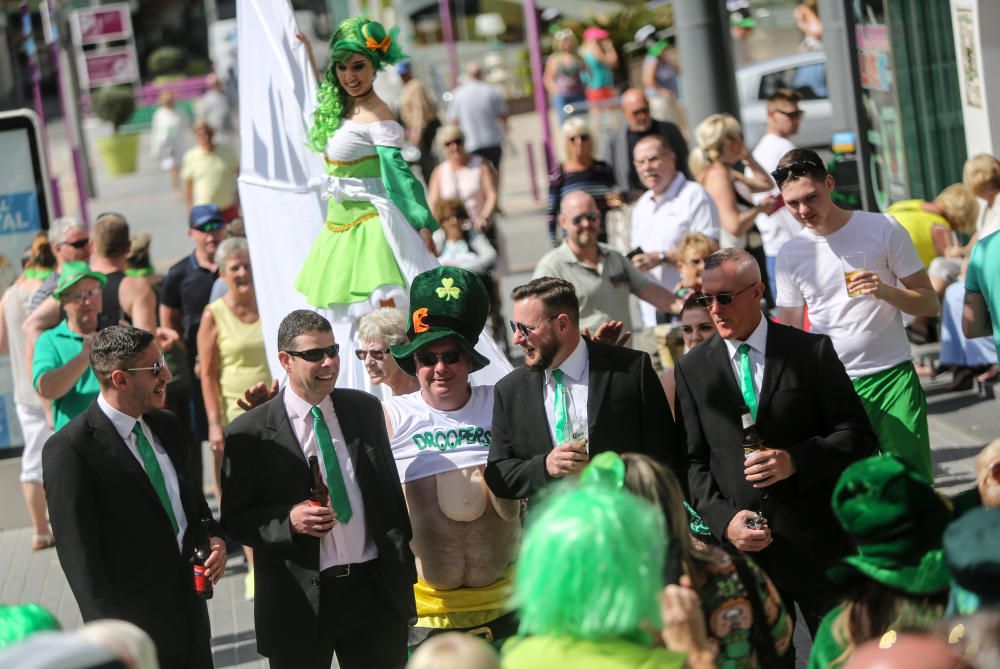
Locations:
(968, 59)
(883, 128)
(24, 212)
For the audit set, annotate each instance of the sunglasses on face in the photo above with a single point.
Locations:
(723, 298)
(209, 227)
(799, 168)
(316, 354)
(80, 244)
(455, 142)
(580, 218)
(72, 298)
(375, 353)
(704, 328)
(694, 262)
(525, 329)
(640, 111)
(431, 359)
(156, 368)
(794, 115)
(578, 138)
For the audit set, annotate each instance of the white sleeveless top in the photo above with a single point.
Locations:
(427, 442)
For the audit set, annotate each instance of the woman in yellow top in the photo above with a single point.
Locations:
(231, 352)
(932, 225)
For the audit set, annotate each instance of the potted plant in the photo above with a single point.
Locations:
(115, 105)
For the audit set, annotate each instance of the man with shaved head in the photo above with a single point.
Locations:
(620, 144)
(603, 277)
(808, 415)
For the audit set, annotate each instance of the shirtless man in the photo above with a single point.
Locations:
(463, 536)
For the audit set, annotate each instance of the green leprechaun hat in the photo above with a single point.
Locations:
(444, 302)
(896, 519)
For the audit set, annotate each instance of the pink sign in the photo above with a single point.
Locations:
(102, 24)
(114, 66)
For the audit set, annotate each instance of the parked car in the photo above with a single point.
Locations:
(804, 72)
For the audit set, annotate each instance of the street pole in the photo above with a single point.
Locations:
(842, 77)
(30, 51)
(449, 40)
(704, 48)
(541, 100)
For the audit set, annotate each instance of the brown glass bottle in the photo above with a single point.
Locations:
(319, 494)
(202, 583)
(751, 438)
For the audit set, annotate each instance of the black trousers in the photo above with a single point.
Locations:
(364, 629)
(492, 154)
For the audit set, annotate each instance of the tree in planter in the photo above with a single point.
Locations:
(166, 63)
(115, 105)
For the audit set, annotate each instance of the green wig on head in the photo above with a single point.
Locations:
(354, 36)
(591, 565)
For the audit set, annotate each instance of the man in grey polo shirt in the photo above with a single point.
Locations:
(603, 277)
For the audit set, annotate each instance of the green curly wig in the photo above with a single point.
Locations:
(353, 36)
(590, 565)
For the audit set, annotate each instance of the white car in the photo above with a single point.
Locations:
(804, 72)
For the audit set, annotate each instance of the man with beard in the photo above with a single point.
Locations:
(573, 399)
(124, 507)
(464, 538)
(603, 277)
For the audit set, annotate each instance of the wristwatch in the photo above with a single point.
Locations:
(663, 257)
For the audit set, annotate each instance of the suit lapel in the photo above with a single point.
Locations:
(774, 365)
(348, 428)
(277, 421)
(598, 379)
(722, 368)
(533, 404)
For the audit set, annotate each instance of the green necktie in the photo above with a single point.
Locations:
(560, 412)
(154, 472)
(746, 379)
(334, 477)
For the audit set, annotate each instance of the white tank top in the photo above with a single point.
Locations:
(427, 442)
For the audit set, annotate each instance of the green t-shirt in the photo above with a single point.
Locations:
(540, 652)
(982, 277)
(54, 349)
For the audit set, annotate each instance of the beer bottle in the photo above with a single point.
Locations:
(751, 439)
(202, 583)
(319, 494)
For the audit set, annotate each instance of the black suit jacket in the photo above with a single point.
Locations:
(626, 411)
(114, 538)
(808, 407)
(265, 474)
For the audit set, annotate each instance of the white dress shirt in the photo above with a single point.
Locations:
(757, 341)
(576, 373)
(346, 543)
(124, 424)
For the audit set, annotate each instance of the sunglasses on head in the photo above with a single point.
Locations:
(723, 298)
(580, 218)
(209, 227)
(79, 244)
(431, 359)
(525, 329)
(156, 368)
(316, 354)
(578, 138)
(375, 353)
(799, 168)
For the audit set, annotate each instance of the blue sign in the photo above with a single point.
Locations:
(19, 213)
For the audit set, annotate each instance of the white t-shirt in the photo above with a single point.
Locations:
(426, 442)
(780, 226)
(866, 332)
(660, 225)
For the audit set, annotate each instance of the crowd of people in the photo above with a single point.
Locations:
(583, 511)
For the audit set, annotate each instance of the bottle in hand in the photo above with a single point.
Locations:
(319, 494)
(751, 438)
(202, 583)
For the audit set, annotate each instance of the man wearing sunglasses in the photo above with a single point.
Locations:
(61, 357)
(330, 577)
(859, 306)
(70, 242)
(465, 539)
(783, 120)
(603, 277)
(574, 398)
(124, 507)
(811, 421)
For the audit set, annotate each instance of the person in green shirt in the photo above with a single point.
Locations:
(61, 363)
(898, 576)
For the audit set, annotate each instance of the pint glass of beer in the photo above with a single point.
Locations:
(853, 264)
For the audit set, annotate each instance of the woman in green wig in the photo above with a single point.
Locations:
(378, 228)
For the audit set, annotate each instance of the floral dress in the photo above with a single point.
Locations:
(369, 250)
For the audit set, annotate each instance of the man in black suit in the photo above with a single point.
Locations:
(574, 398)
(123, 505)
(332, 578)
(808, 415)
